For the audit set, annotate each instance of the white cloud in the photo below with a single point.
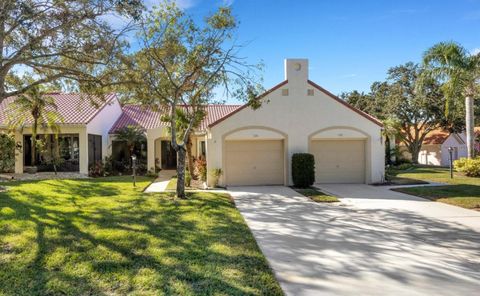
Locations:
(349, 75)
(227, 2)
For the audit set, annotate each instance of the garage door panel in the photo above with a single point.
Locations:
(339, 161)
(259, 162)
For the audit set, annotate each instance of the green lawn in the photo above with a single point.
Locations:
(316, 195)
(463, 191)
(102, 237)
(172, 185)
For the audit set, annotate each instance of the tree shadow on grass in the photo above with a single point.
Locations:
(138, 244)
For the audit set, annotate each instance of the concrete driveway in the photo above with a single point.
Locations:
(375, 242)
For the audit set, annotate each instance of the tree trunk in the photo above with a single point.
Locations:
(190, 158)
(181, 172)
(414, 149)
(34, 140)
(388, 151)
(56, 154)
(469, 121)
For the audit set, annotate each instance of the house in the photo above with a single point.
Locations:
(160, 154)
(84, 130)
(251, 147)
(435, 146)
(254, 147)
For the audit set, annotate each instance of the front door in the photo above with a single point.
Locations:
(169, 156)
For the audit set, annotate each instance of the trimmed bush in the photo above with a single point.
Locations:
(303, 170)
(470, 167)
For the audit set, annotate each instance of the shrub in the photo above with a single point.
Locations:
(97, 170)
(215, 173)
(201, 169)
(7, 148)
(303, 170)
(188, 178)
(470, 167)
(404, 166)
(108, 165)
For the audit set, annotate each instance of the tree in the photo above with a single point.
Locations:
(131, 135)
(35, 107)
(182, 63)
(459, 73)
(7, 147)
(60, 39)
(182, 123)
(416, 108)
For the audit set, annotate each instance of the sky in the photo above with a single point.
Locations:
(349, 44)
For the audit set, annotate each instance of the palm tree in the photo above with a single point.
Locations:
(459, 72)
(38, 107)
(131, 135)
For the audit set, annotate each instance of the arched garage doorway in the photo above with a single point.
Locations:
(340, 155)
(254, 156)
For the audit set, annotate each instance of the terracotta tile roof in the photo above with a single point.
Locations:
(74, 108)
(148, 119)
(436, 137)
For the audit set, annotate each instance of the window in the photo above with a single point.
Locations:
(94, 149)
(68, 150)
(69, 147)
(203, 149)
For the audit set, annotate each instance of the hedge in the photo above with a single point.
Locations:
(303, 170)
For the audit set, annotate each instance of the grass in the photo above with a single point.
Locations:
(172, 185)
(463, 191)
(103, 237)
(316, 195)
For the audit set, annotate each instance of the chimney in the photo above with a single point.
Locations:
(296, 70)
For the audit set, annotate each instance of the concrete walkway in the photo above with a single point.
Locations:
(375, 243)
(161, 182)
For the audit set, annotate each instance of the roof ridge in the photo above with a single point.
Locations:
(247, 104)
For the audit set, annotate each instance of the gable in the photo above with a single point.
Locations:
(295, 98)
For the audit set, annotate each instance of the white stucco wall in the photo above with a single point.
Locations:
(152, 136)
(461, 148)
(102, 122)
(437, 154)
(430, 154)
(297, 117)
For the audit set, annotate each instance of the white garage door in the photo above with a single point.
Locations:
(258, 162)
(339, 161)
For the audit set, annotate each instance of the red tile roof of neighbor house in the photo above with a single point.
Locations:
(148, 119)
(436, 137)
(74, 108)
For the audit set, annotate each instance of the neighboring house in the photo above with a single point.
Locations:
(83, 130)
(254, 147)
(435, 146)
